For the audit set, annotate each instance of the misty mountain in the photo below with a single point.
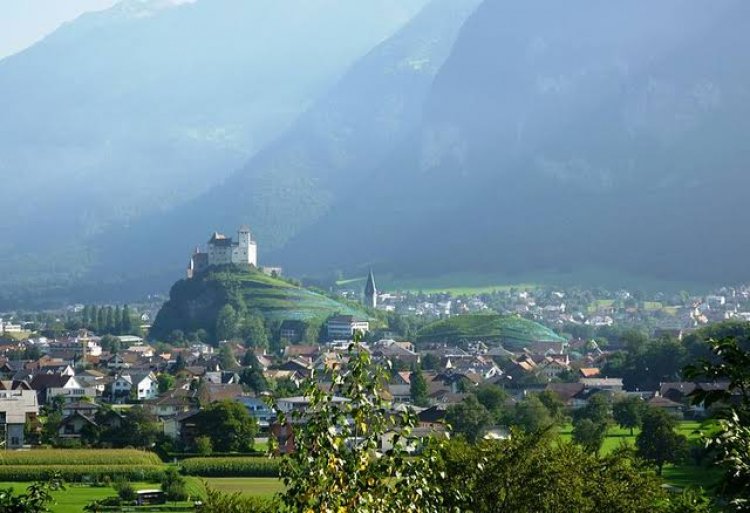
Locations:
(138, 108)
(295, 180)
(560, 136)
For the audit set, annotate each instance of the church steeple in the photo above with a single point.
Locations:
(371, 292)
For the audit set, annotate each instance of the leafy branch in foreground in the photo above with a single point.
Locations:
(354, 454)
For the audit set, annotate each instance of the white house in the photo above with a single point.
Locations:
(344, 327)
(145, 385)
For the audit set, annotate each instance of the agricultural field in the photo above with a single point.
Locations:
(497, 328)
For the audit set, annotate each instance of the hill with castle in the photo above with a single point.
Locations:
(227, 273)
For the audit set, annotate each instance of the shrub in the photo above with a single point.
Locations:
(173, 485)
(125, 490)
(203, 445)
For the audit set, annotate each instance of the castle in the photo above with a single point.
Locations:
(222, 250)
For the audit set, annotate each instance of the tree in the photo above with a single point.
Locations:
(531, 415)
(533, 473)
(430, 362)
(109, 321)
(166, 382)
(491, 397)
(339, 464)
(730, 363)
(589, 434)
(229, 425)
(253, 331)
(252, 377)
(203, 445)
(628, 412)
(658, 443)
(226, 357)
(418, 388)
(37, 498)
(174, 485)
(226, 323)
(117, 321)
(469, 418)
(127, 321)
(596, 409)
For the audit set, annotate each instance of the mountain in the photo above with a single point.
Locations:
(138, 108)
(195, 303)
(564, 136)
(293, 182)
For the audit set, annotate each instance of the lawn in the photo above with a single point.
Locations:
(74, 498)
(258, 486)
(679, 475)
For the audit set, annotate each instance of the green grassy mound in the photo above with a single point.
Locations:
(195, 303)
(508, 330)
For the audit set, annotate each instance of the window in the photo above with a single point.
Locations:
(14, 440)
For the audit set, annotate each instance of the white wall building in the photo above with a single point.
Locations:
(222, 250)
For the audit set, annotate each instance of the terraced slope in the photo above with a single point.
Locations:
(195, 303)
(511, 331)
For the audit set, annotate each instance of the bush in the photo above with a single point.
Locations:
(173, 485)
(218, 502)
(203, 445)
(125, 490)
(231, 467)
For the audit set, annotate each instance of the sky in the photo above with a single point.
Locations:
(24, 22)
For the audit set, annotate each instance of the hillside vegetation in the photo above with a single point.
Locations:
(508, 330)
(194, 304)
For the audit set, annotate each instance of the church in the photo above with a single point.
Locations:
(223, 250)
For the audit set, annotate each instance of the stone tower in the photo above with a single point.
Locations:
(371, 292)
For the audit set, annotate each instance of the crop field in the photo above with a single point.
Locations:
(231, 467)
(79, 457)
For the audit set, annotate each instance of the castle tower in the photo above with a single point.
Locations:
(247, 250)
(371, 292)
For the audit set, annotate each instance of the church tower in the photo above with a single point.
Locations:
(371, 293)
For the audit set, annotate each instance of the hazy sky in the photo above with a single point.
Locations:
(23, 22)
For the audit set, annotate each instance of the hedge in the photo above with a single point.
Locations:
(79, 473)
(231, 467)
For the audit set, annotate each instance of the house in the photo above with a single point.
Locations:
(608, 384)
(391, 350)
(173, 402)
(74, 425)
(589, 372)
(343, 327)
(222, 377)
(671, 407)
(212, 392)
(258, 409)
(309, 352)
(48, 386)
(140, 385)
(554, 365)
(293, 331)
(85, 408)
(16, 407)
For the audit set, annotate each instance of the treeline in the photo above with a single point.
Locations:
(108, 320)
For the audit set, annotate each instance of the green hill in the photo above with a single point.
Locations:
(508, 330)
(195, 303)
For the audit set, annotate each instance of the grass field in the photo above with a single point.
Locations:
(679, 475)
(74, 498)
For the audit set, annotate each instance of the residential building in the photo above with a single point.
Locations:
(343, 327)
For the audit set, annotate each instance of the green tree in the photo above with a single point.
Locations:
(418, 388)
(339, 463)
(534, 473)
(430, 362)
(253, 331)
(531, 415)
(226, 357)
(117, 320)
(229, 425)
(203, 445)
(252, 377)
(166, 382)
(628, 412)
(127, 321)
(37, 499)
(589, 434)
(174, 485)
(226, 323)
(658, 443)
(597, 410)
(469, 418)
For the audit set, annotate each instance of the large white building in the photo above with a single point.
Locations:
(222, 250)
